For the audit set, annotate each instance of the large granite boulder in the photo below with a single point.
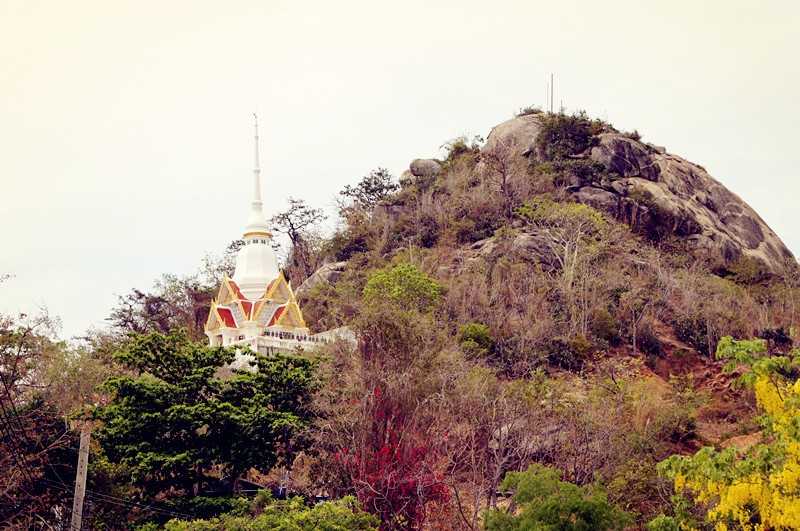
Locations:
(625, 156)
(527, 244)
(646, 186)
(518, 134)
(327, 274)
(425, 167)
(699, 207)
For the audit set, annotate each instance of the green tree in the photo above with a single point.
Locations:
(547, 503)
(182, 429)
(575, 236)
(758, 488)
(404, 285)
(563, 135)
(476, 339)
(373, 188)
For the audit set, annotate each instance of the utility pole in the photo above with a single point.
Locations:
(551, 92)
(80, 477)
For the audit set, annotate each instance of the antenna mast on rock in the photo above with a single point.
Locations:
(546, 96)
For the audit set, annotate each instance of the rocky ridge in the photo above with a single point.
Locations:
(649, 185)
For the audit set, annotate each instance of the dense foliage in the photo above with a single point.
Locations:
(757, 489)
(182, 430)
(564, 135)
(42, 383)
(404, 285)
(546, 502)
(378, 444)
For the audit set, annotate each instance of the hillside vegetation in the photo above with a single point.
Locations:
(542, 318)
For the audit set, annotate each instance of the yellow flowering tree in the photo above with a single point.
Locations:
(759, 489)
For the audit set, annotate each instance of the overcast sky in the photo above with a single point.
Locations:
(125, 126)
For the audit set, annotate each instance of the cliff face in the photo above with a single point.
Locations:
(645, 186)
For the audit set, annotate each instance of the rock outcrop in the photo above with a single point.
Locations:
(425, 167)
(645, 186)
(625, 157)
(526, 244)
(327, 274)
(518, 133)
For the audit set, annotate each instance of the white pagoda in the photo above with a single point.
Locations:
(257, 307)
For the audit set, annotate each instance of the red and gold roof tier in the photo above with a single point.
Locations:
(277, 307)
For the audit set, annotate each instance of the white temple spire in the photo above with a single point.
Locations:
(256, 223)
(257, 165)
(256, 265)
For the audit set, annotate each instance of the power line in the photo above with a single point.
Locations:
(13, 444)
(21, 463)
(120, 501)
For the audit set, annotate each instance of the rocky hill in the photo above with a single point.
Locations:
(558, 250)
(650, 190)
(560, 308)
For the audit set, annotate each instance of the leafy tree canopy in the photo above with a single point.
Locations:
(565, 135)
(371, 190)
(760, 488)
(181, 427)
(403, 284)
(572, 217)
(551, 504)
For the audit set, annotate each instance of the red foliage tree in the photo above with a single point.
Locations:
(394, 471)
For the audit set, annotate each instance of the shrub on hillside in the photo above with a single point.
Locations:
(529, 110)
(660, 223)
(578, 172)
(546, 502)
(374, 188)
(471, 230)
(563, 135)
(663, 523)
(461, 146)
(604, 326)
(779, 338)
(693, 329)
(418, 228)
(749, 271)
(476, 340)
(569, 353)
(648, 343)
(707, 307)
(346, 243)
(404, 285)
(633, 135)
(428, 231)
(571, 219)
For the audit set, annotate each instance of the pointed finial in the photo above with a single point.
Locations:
(257, 166)
(256, 224)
